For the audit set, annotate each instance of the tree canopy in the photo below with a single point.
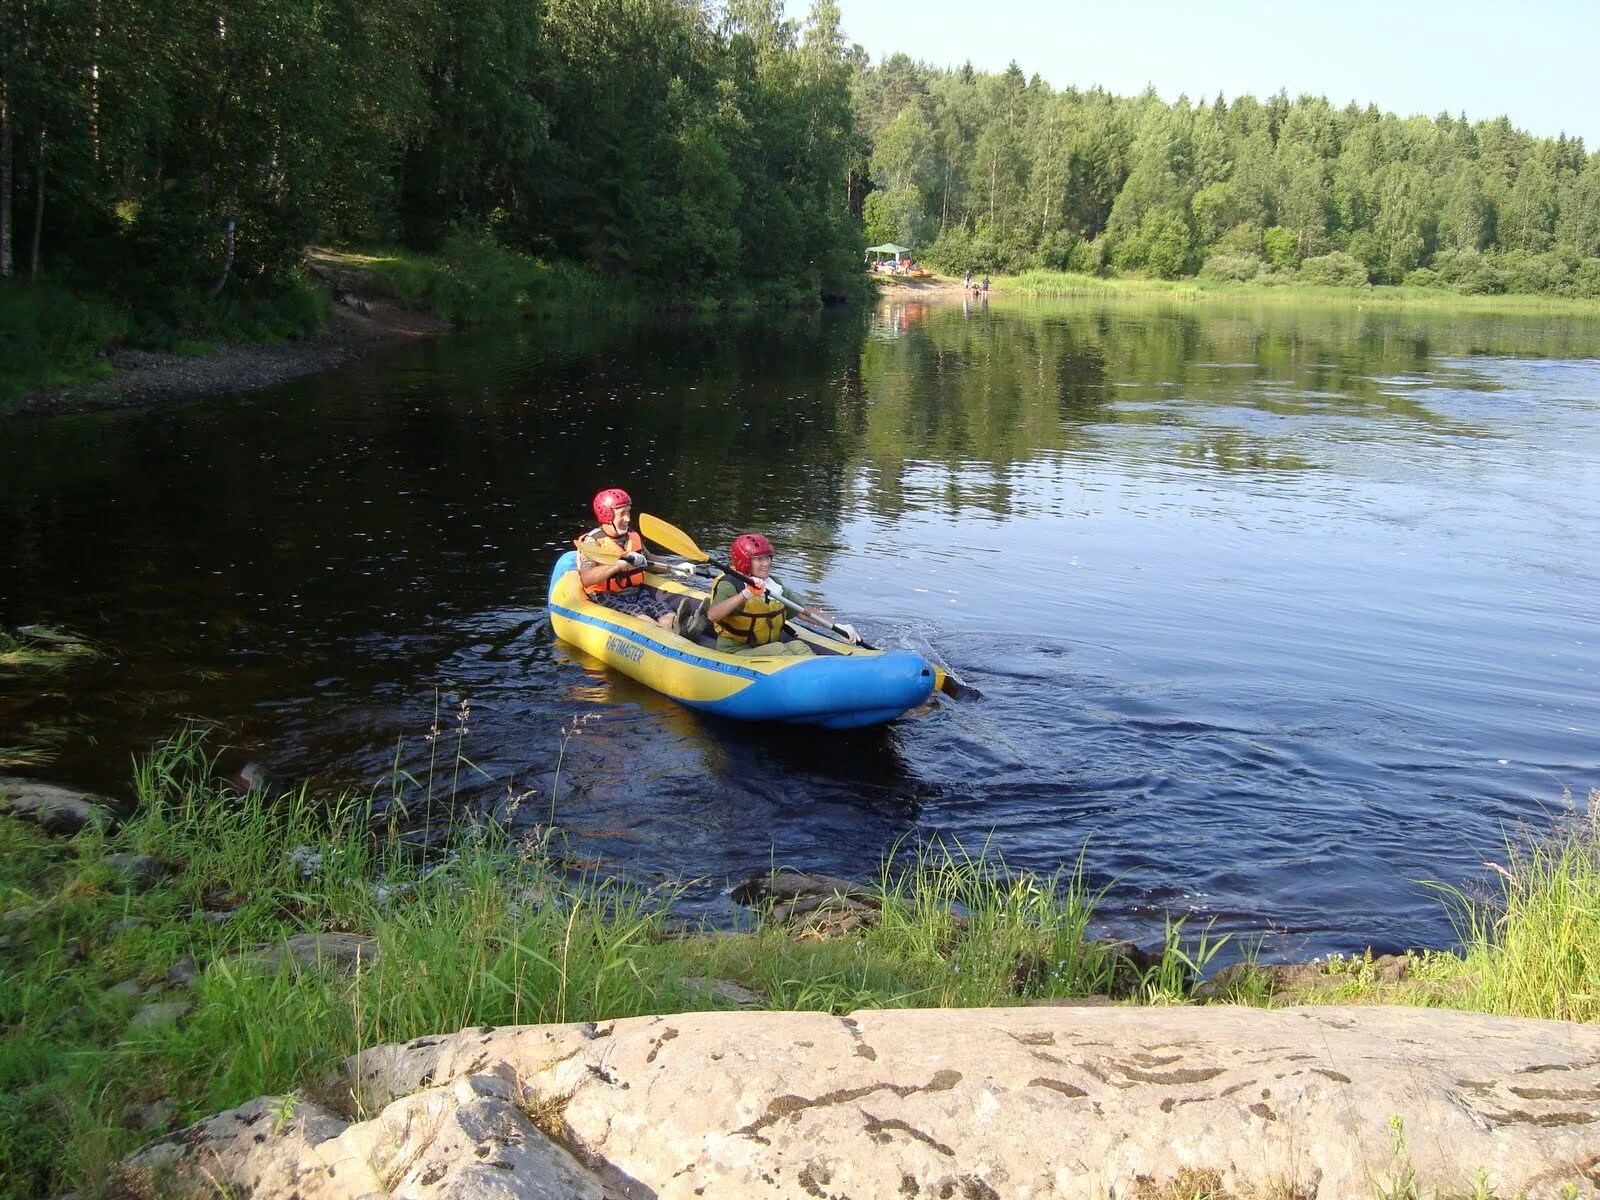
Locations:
(1001, 172)
(167, 147)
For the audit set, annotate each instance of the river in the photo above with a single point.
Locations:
(1278, 612)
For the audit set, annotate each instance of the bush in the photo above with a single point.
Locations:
(1241, 239)
(1586, 280)
(49, 334)
(1283, 247)
(1088, 258)
(1422, 277)
(1337, 269)
(1232, 268)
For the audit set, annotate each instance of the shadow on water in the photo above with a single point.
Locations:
(1276, 610)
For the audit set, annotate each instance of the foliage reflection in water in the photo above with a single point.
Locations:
(1276, 610)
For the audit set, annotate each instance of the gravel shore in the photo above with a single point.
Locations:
(145, 377)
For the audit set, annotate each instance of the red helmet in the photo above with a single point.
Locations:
(607, 502)
(747, 546)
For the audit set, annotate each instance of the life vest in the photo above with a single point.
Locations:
(633, 544)
(756, 622)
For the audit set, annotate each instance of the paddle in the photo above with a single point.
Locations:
(664, 533)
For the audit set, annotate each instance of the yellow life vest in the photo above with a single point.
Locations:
(632, 544)
(756, 622)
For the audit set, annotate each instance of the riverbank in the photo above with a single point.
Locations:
(1046, 284)
(212, 940)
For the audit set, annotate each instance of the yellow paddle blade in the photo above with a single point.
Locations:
(598, 553)
(669, 536)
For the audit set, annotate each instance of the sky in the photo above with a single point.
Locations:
(1537, 61)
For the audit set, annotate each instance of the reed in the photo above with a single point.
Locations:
(1532, 946)
(1189, 291)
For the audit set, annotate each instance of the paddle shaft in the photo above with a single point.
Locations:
(664, 533)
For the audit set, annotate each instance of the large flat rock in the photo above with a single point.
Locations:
(1026, 1102)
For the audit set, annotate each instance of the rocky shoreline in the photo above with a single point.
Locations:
(363, 319)
(185, 922)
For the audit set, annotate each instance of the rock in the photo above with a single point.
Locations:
(22, 914)
(466, 1140)
(252, 777)
(128, 924)
(128, 989)
(1066, 1102)
(341, 952)
(792, 885)
(154, 1117)
(220, 918)
(1077, 1103)
(305, 860)
(724, 989)
(164, 1012)
(137, 870)
(184, 972)
(56, 809)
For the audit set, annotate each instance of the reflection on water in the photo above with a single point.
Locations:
(1276, 610)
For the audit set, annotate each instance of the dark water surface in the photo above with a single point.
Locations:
(1279, 611)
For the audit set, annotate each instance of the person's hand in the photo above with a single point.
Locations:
(774, 587)
(752, 589)
(634, 559)
(683, 570)
(849, 631)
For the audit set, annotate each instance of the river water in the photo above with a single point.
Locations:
(1278, 613)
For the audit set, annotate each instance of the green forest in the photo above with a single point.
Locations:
(1000, 172)
(178, 154)
(165, 163)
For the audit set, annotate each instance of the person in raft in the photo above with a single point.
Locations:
(619, 582)
(749, 614)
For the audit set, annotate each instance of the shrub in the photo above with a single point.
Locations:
(1423, 277)
(1088, 258)
(1283, 247)
(1232, 268)
(1337, 269)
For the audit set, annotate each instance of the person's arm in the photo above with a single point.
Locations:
(731, 603)
(598, 572)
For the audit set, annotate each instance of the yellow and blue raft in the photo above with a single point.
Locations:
(839, 686)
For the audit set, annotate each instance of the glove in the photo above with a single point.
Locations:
(634, 559)
(683, 570)
(849, 631)
(774, 588)
(751, 590)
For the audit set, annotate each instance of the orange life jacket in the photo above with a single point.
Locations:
(633, 544)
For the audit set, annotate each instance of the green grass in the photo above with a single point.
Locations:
(498, 932)
(52, 337)
(503, 931)
(1053, 284)
(1534, 948)
(473, 280)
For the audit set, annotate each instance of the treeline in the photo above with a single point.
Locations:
(1000, 172)
(179, 152)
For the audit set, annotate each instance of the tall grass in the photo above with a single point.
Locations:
(51, 336)
(494, 931)
(473, 280)
(1533, 948)
(1064, 284)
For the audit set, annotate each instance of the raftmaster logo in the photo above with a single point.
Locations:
(631, 651)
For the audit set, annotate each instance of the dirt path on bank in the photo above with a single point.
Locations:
(362, 319)
(892, 287)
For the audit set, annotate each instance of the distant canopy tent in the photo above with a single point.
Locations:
(889, 250)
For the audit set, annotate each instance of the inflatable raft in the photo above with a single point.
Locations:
(839, 686)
